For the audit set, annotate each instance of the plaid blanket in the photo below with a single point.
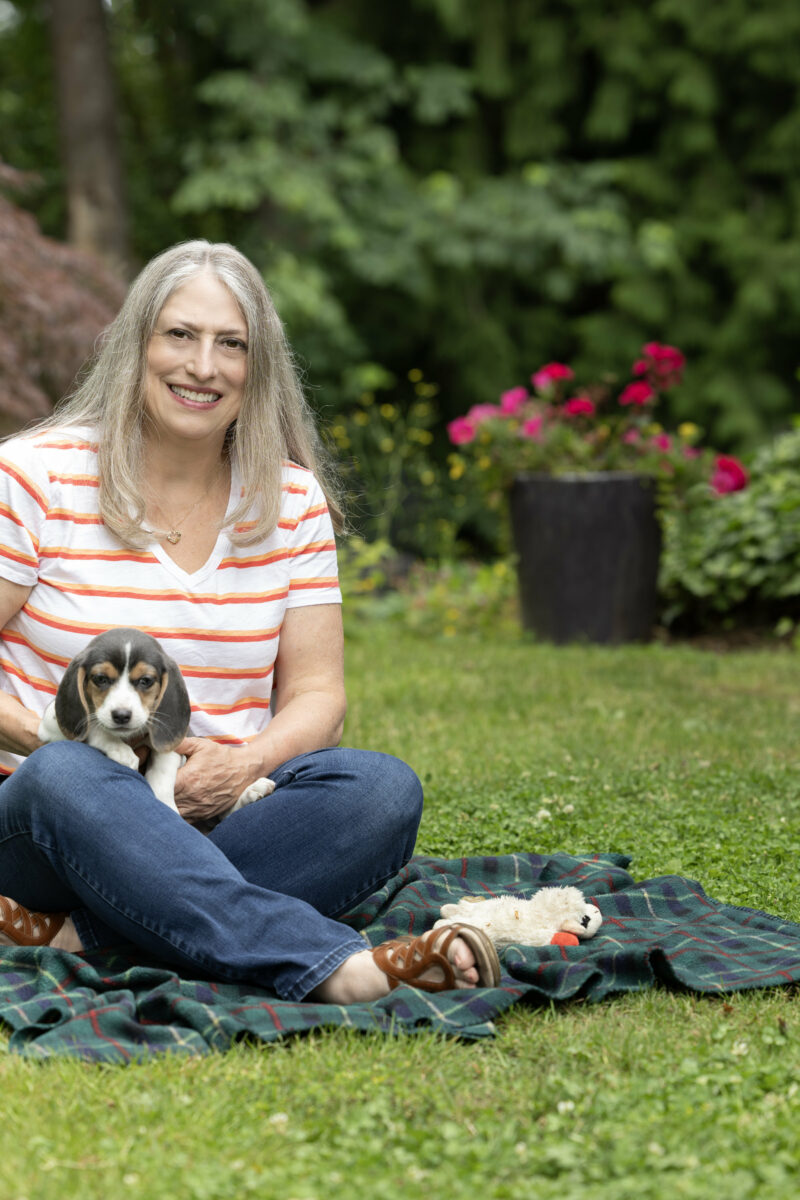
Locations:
(667, 931)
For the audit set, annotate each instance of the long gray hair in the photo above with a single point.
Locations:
(274, 423)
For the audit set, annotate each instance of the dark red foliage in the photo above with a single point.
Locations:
(54, 301)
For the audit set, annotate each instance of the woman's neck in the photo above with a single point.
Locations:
(176, 465)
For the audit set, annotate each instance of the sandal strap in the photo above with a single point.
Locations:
(405, 960)
(25, 926)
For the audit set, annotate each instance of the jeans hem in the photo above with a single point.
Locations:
(318, 974)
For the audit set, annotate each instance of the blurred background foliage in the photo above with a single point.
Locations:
(443, 196)
(468, 190)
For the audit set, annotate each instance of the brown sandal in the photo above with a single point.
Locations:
(405, 960)
(25, 927)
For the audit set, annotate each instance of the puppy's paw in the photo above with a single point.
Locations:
(49, 729)
(121, 753)
(256, 791)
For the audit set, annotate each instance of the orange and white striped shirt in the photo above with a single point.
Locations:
(221, 623)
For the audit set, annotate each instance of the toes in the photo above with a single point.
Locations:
(463, 960)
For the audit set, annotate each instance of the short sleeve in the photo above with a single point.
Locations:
(23, 508)
(308, 533)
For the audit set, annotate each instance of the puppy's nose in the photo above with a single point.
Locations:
(120, 716)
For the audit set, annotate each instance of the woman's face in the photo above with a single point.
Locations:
(197, 362)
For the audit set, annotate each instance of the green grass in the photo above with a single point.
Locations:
(685, 760)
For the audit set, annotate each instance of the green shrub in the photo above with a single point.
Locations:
(446, 599)
(735, 559)
(397, 491)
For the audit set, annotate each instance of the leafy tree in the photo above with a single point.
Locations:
(473, 189)
(54, 301)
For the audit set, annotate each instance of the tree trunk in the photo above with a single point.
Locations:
(90, 150)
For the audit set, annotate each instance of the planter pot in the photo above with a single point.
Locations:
(588, 548)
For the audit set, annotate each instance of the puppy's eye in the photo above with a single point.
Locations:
(145, 682)
(99, 681)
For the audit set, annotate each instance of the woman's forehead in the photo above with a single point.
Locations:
(203, 302)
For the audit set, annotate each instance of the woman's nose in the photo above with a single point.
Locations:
(202, 360)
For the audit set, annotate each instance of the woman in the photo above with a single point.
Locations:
(180, 491)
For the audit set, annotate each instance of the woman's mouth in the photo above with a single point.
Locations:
(201, 398)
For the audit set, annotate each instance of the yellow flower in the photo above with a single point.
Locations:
(386, 445)
(484, 462)
(415, 375)
(427, 478)
(388, 412)
(360, 418)
(688, 430)
(456, 469)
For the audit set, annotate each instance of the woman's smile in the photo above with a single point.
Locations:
(194, 396)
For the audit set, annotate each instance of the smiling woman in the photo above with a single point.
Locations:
(181, 490)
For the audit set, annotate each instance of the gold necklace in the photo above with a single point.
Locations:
(174, 535)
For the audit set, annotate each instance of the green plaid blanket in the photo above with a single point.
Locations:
(112, 1008)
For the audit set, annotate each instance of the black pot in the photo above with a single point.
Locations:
(588, 549)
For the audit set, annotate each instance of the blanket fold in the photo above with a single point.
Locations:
(111, 1007)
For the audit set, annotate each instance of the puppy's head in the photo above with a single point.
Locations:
(124, 682)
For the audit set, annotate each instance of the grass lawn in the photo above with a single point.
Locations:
(686, 760)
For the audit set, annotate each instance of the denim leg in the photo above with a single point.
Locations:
(80, 832)
(339, 824)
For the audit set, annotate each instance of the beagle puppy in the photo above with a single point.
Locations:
(122, 692)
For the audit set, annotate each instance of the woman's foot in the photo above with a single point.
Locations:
(20, 926)
(458, 956)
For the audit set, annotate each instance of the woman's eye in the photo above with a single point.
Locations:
(234, 344)
(180, 334)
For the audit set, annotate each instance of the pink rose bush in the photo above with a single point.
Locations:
(554, 428)
(729, 475)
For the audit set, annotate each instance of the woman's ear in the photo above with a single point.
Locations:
(72, 709)
(172, 713)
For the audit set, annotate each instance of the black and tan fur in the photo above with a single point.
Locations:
(123, 692)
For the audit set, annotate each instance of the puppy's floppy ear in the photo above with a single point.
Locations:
(72, 708)
(172, 712)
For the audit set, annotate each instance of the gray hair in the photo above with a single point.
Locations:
(275, 422)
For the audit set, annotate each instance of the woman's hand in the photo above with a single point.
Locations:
(213, 777)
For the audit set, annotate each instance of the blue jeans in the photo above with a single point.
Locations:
(252, 901)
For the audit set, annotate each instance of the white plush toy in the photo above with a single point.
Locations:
(551, 916)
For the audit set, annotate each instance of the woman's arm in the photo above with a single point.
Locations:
(309, 715)
(18, 725)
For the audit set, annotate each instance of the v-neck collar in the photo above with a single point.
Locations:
(222, 545)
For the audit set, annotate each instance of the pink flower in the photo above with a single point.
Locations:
(531, 428)
(729, 475)
(550, 374)
(482, 412)
(661, 364)
(692, 451)
(662, 441)
(512, 400)
(631, 436)
(460, 431)
(579, 406)
(637, 393)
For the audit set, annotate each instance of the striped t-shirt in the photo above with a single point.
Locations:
(221, 623)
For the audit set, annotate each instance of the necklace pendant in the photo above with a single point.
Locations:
(173, 537)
